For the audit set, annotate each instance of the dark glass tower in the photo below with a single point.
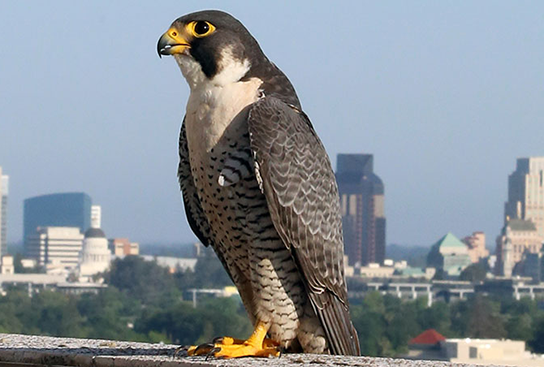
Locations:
(362, 206)
(57, 210)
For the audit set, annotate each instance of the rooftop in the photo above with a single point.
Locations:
(26, 350)
(521, 225)
(428, 337)
(449, 240)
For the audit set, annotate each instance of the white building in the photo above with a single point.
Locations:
(7, 265)
(55, 245)
(95, 256)
(173, 263)
(489, 352)
(4, 184)
(96, 216)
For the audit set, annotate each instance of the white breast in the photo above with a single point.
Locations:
(214, 103)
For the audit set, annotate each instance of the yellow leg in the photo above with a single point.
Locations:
(255, 346)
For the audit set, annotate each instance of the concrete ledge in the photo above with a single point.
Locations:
(27, 350)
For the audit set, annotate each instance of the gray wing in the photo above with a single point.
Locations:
(195, 215)
(299, 184)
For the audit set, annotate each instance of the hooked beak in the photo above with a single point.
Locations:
(171, 43)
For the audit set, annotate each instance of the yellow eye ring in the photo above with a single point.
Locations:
(201, 28)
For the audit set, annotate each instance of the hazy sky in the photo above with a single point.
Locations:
(446, 95)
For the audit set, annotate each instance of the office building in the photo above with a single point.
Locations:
(56, 246)
(476, 246)
(362, 207)
(56, 210)
(526, 193)
(123, 247)
(4, 191)
(96, 216)
(531, 266)
(449, 255)
(518, 237)
(7, 266)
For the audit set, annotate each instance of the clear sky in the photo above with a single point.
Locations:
(446, 95)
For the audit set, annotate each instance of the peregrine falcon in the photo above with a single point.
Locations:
(258, 187)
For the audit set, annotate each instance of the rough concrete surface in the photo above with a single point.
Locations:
(21, 350)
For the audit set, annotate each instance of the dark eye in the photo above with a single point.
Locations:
(201, 28)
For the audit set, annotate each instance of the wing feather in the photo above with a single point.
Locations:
(195, 215)
(302, 196)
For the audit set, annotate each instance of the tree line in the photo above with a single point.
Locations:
(144, 302)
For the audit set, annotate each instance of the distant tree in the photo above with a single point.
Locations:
(56, 314)
(385, 324)
(537, 342)
(210, 273)
(371, 328)
(108, 314)
(143, 280)
(435, 317)
(525, 305)
(459, 316)
(474, 273)
(403, 326)
(519, 327)
(439, 274)
(14, 306)
(369, 321)
(485, 320)
(186, 325)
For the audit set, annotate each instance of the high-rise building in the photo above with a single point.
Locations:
(518, 237)
(57, 210)
(55, 245)
(4, 190)
(526, 193)
(362, 206)
(96, 216)
(476, 246)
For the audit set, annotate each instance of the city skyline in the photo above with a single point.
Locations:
(445, 96)
(362, 197)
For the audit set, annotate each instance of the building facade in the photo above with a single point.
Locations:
(4, 190)
(56, 210)
(449, 255)
(96, 216)
(123, 247)
(526, 193)
(476, 246)
(95, 256)
(518, 237)
(362, 207)
(59, 246)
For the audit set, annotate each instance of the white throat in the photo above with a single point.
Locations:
(214, 103)
(231, 70)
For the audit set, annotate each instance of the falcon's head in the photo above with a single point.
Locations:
(211, 46)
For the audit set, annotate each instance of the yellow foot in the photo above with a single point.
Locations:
(226, 347)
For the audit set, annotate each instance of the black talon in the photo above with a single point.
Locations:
(218, 340)
(211, 353)
(180, 350)
(203, 347)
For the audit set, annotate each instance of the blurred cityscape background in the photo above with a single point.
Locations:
(461, 299)
(430, 111)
